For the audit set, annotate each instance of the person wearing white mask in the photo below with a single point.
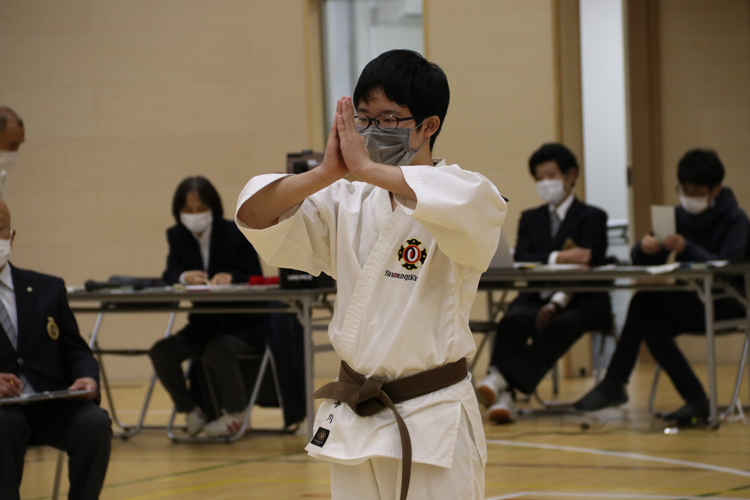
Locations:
(539, 328)
(710, 226)
(41, 350)
(206, 249)
(12, 135)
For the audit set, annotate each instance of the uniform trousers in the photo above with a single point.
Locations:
(379, 478)
(220, 356)
(524, 354)
(656, 318)
(80, 428)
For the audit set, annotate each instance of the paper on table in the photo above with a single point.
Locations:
(664, 268)
(663, 221)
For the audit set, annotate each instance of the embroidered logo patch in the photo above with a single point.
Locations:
(320, 437)
(412, 254)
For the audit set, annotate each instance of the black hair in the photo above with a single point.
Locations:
(206, 192)
(553, 151)
(701, 167)
(410, 80)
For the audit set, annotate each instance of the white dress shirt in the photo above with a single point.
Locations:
(204, 242)
(562, 299)
(406, 280)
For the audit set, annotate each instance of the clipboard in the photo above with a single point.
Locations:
(44, 396)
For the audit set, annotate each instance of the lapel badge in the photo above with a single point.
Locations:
(29, 289)
(569, 244)
(52, 330)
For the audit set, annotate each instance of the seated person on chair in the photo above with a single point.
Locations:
(205, 248)
(710, 226)
(42, 350)
(538, 328)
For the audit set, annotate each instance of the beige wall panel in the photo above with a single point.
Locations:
(705, 54)
(44, 16)
(51, 112)
(197, 54)
(56, 60)
(499, 59)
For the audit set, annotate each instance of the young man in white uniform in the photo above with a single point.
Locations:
(407, 246)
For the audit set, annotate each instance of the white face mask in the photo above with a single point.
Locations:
(8, 159)
(196, 223)
(4, 252)
(552, 190)
(694, 205)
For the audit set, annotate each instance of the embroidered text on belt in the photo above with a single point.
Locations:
(367, 396)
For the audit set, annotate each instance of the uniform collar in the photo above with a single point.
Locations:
(562, 208)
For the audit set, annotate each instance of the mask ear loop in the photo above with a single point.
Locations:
(415, 151)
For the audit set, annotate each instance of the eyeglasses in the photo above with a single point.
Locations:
(386, 123)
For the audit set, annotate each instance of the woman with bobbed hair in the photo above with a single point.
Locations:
(205, 248)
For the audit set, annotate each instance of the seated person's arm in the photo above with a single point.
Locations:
(734, 246)
(592, 249)
(263, 209)
(525, 251)
(175, 271)
(648, 252)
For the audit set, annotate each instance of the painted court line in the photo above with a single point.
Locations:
(598, 495)
(634, 456)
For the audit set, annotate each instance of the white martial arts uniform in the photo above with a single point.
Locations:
(406, 281)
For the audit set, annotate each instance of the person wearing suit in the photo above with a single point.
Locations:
(205, 248)
(538, 328)
(42, 350)
(710, 226)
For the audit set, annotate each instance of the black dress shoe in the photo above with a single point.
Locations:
(607, 393)
(692, 413)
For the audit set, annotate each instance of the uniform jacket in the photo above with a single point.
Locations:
(586, 227)
(48, 364)
(406, 281)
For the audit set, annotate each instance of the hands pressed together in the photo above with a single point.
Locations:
(345, 150)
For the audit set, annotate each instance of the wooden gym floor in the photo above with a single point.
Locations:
(615, 454)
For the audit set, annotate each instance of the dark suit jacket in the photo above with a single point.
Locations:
(48, 364)
(586, 226)
(230, 252)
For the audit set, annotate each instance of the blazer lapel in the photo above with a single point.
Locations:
(25, 304)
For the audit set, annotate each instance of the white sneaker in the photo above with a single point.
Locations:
(226, 425)
(504, 411)
(195, 421)
(489, 389)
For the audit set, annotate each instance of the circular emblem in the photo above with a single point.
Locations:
(52, 330)
(412, 254)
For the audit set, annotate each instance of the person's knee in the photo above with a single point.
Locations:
(223, 347)
(161, 350)
(13, 424)
(95, 426)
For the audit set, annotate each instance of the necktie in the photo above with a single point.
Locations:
(13, 336)
(554, 222)
(8, 325)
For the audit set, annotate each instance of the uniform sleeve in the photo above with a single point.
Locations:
(462, 210)
(175, 266)
(734, 246)
(77, 357)
(302, 238)
(594, 236)
(525, 251)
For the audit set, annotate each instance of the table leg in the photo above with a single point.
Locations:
(711, 351)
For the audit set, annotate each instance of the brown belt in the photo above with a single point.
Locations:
(367, 396)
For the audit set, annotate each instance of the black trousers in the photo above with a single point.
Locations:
(219, 355)
(524, 354)
(656, 318)
(80, 428)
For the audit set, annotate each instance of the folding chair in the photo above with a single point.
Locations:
(265, 357)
